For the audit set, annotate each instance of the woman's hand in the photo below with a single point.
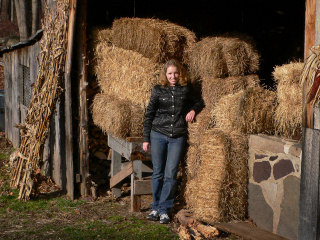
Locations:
(190, 116)
(146, 146)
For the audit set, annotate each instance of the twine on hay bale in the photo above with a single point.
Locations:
(248, 111)
(214, 88)
(117, 117)
(125, 73)
(288, 114)
(156, 39)
(223, 56)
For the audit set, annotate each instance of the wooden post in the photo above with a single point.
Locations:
(309, 212)
(68, 101)
(137, 174)
(83, 106)
(115, 168)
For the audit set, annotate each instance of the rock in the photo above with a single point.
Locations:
(259, 211)
(282, 168)
(261, 171)
(289, 216)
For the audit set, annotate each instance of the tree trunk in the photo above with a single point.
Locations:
(35, 16)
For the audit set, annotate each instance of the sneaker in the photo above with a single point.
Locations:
(164, 218)
(153, 216)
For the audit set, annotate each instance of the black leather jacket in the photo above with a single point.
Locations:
(167, 110)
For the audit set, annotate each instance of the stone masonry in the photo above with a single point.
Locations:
(274, 184)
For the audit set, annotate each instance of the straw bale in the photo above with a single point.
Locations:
(199, 126)
(156, 39)
(99, 35)
(222, 57)
(125, 73)
(248, 111)
(117, 117)
(233, 201)
(206, 186)
(288, 73)
(214, 88)
(192, 160)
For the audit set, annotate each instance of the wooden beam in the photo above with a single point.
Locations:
(125, 172)
(310, 16)
(68, 101)
(83, 106)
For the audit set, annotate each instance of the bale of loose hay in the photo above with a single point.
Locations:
(117, 117)
(223, 56)
(156, 39)
(99, 35)
(248, 111)
(125, 73)
(214, 88)
(206, 187)
(288, 114)
(233, 201)
(192, 161)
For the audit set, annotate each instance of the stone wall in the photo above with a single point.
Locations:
(274, 184)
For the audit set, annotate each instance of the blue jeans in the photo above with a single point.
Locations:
(166, 153)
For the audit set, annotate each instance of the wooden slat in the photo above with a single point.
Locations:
(136, 175)
(310, 17)
(142, 187)
(83, 111)
(248, 231)
(68, 101)
(125, 172)
(16, 76)
(309, 185)
(134, 139)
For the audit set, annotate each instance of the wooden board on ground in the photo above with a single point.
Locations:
(142, 187)
(248, 231)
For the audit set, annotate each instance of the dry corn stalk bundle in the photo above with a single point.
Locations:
(288, 114)
(126, 74)
(248, 111)
(214, 88)
(233, 201)
(153, 38)
(117, 117)
(206, 186)
(45, 93)
(222, 56)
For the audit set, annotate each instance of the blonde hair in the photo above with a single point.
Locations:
(183, 78)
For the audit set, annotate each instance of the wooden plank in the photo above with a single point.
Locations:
(115, 168)
(15, 100)
(136, 175)
(83, 111)
(124, 147)
(68, 101)
(248, 231)
(142, 187)
(310, 16)
(7, 95)
(125, 172)
(309, 185)
(134, 139)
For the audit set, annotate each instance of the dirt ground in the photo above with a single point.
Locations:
(52, 216)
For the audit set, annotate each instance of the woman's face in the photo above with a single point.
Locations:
(172, 75)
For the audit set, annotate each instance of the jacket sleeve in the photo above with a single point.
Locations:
(196, 100)
(150, 114)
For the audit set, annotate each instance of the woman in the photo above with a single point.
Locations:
(172, 104)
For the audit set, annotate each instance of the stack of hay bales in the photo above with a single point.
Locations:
(236, 105)
(288, 114)
(127, 65)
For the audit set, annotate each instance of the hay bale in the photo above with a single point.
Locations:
(223, 56)
(214, 88)
(206, 187)
(156, 39)
(192, 161)
(199, 126)
(288, 114)
(248, 111)
(125, 73)
(233, 201)
(117, 117)
(98, 35)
